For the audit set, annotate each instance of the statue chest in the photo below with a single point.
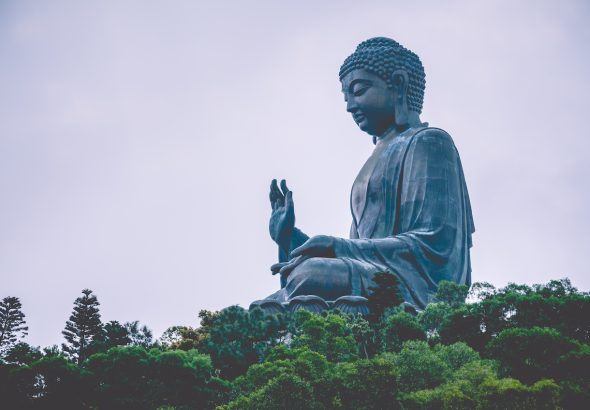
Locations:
(374, 199)
(367, 192)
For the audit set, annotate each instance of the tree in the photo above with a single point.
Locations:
(536, 353)
(363, 334)
(451, 293)
(328, 335)
(84, 328)
(172, 337)
(139, 335)
(385, 295)
(419, 367)
(366, 384)
(237, 338)
(56, 383)
(22, 354)
(456, 355)
(183, 338)
(116, 334)
(480, 291)
(133, 377)
(399, 328)
(433, 317)
(12, 323)
(465, 324)
(286, 391)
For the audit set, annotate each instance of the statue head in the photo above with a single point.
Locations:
(383, 84)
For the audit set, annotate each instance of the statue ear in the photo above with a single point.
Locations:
(399, 79)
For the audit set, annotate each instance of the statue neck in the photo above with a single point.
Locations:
(396, 129)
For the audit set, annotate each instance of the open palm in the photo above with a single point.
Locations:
(282, 218)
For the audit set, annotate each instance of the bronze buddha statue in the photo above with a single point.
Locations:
(411, 214)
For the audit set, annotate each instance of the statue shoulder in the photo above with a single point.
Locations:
(433, 135)
(432, 142)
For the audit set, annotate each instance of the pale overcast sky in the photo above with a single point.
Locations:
(138, 139)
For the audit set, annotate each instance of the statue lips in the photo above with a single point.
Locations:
(358, 118)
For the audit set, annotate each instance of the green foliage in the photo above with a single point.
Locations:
(286, 391)
(187, 337)
(572, 394)
(517, 347)
(536, 353)
(398, 328)
(451, 293)
(363, 334)
(457, 355)
(347, 385)
(493, 394)
(83, 331)
(238, 338)
(139, 335)
(258, 375)
(384, 295)
(512, 394)
(465, 323)
(120, 376)
(329, 335)
(480, 291)
(446, 396)
(12, 323)
(52, 382)
(556, 304)
(433, 317)
(419, 367)
(365, 383)
(181, 337)
(22, 354)
(135, 378)
(115, 335)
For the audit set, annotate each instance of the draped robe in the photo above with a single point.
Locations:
(411, 217)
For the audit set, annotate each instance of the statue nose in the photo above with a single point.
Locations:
(351, 106)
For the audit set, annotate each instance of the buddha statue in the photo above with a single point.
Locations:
(411, 214)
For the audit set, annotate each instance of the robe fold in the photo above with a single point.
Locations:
(416, 221)
(411, 217)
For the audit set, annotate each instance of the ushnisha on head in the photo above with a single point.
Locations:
(383, 84)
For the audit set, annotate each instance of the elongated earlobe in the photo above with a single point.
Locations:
(400, 87)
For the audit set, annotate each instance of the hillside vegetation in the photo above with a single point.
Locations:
(518, 347)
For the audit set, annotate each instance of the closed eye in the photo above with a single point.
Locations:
(358, 86)
(360, 91)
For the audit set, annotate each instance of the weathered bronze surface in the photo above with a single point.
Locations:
(410, 208)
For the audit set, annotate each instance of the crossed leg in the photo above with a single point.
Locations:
(328, 278)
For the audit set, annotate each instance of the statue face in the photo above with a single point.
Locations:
(369, 100)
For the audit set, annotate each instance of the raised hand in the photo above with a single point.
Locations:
(282, 218)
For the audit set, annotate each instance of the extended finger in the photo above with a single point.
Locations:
(277, 267)
(271, 193)
(289, 199)
(287, 269)
(274, 190)
(284, 188)
(275, 195)
(301, 250)
(280, 198)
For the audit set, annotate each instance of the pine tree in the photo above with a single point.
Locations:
(139, 335)
(385, 295)
(12, 323)
(84, 329)
(116, 335)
